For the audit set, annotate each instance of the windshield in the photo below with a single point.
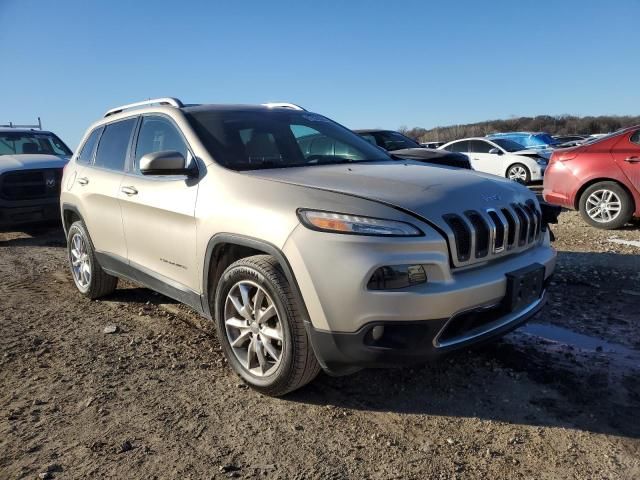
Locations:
(20, 143)
(250, 140)
(508, 145)
(395, 141)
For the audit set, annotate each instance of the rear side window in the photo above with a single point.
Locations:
(114, 143)
(635, 138)
(158, 134)
(86, 153)
(458, 147)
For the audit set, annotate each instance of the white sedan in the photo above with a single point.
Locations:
(501, 157)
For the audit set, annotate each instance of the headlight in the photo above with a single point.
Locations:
(355, 225)
(542, 162)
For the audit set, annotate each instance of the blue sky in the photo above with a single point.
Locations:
(363, 63)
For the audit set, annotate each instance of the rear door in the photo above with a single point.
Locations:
(626, 153)
(158, 211)
(99, 189)
(482, 160)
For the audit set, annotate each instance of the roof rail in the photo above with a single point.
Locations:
(174, 102)
(292, 106)
(13, 125)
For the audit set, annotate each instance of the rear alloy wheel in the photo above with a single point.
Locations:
(90, 279)
(519, 173)
(606, 205)
(260, 327)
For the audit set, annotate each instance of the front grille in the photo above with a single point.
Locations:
(30, 184)
(483, 234)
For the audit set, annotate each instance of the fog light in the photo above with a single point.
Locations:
(377, 332)
(396, 276)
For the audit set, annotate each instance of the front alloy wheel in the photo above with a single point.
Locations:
(518, 173)
(80, 263)
(261, 328)
(253, 328)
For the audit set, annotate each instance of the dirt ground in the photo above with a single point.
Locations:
(558, 398)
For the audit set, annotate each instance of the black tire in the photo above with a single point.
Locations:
(298, 365)
(626, 205)
(526, 180)
(100, 283)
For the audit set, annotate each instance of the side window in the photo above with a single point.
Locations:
(86, 153)
(459, 147)
(158, 134)
(635, 138)
(112, 149)
(478, 146)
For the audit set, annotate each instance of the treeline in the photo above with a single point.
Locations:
(560, 125)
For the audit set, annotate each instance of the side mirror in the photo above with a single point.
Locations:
(168, 162)
(495, 151)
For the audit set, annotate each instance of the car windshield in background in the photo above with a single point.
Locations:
(508, 145)
(250, 140)
(396, 141)
(21, 143)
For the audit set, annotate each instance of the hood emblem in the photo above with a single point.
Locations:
(492, 198)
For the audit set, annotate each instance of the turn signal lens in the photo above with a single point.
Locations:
(356, 225)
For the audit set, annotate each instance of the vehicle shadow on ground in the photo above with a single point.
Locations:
(47, 235)
(526, 379)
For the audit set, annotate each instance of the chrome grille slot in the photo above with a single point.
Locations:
(493, 232)
(462, 236)
(500, 231)
(481, 231)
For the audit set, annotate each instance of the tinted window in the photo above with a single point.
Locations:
(459, 147)
(635, 138)
(246, 140)
(33, 142)
(158, 134)
(368, 137)
(508, 145)
(478, 146)
(112, 149)
(86, 154)
(395, 141)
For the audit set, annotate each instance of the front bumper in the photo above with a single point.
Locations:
(332, 272)
(43, 211)
(405, 343)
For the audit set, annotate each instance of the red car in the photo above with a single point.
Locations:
(600, 178)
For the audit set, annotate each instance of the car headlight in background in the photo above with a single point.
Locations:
(355, 224)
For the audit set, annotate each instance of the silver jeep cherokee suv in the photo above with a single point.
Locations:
(308, 246)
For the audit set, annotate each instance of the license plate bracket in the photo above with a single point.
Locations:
(524, 286)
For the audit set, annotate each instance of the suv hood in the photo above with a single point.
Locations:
(426, 191)
(29, 162)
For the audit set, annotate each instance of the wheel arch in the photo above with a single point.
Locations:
(70, 214)
(225, 248)
(593, 181)
(517, 162)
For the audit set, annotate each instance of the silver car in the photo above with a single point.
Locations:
(307, 255)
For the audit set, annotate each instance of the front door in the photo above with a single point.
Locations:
(626, 153)
(158, 212)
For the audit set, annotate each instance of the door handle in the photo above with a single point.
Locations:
(129, 190)
(83, 180)
(632, 159)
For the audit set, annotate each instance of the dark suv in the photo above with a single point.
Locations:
(402, 146)
(31, 163)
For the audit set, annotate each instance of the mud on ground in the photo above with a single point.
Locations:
(555, 399)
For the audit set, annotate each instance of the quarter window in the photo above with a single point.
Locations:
(635, 138)
(159, 134)
(86, 154)
(114, 143)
